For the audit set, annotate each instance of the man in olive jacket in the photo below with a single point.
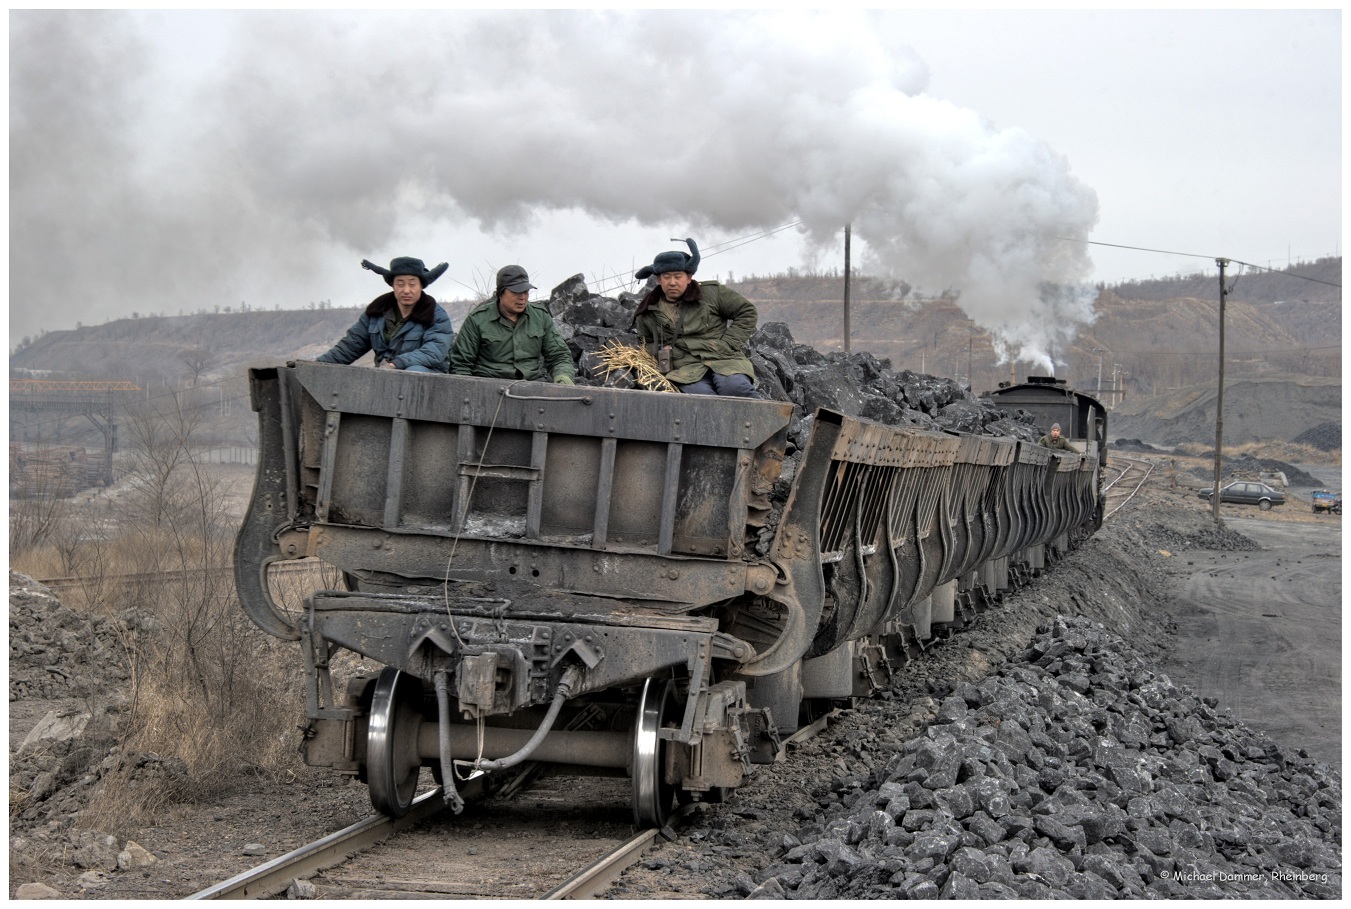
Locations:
(1053, 440)
(507, 336)
(701, 326)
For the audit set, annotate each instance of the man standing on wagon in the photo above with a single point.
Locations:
(1053, 440)
(697, 330)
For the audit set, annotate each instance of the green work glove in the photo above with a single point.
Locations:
(563, 379)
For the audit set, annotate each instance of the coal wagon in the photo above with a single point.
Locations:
(656, 586)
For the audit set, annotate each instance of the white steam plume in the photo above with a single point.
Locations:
(324, 132)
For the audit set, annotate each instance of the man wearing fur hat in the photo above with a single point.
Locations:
(406, 328)
(507, 336)
(1053, 440)
(697, 330)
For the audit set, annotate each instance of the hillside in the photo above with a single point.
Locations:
(1312, 282)
(1143, 347)
(154, 349)
(1256, 408)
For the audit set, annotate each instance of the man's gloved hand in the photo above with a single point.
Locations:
(563, 379)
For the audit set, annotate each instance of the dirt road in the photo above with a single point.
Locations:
(1262, 630)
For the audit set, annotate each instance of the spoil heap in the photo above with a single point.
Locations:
(75, 666)
(1247, 467)
(1324, 436)
(56, 652)
(1076, 771)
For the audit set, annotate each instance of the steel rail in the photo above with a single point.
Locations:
(806, 732)
(1121, 472)
(1140, 465)
(286, 567)
(274, 877)
(594, 878)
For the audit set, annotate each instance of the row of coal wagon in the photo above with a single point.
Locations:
(621, 582)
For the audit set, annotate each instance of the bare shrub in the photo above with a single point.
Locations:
(37, 507)
(212, 699)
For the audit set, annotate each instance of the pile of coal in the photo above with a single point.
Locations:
(1247, 467)
(56, 652)
(1075, 772)
(1134, 445)
(854, 384)
(1324, 436)
(74, 665)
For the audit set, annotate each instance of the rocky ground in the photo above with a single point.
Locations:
(1039, 752)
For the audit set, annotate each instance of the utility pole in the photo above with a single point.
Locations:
(847, 230)
(1219, 405)
(1099, 351)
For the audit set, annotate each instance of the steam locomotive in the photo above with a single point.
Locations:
(614, 581)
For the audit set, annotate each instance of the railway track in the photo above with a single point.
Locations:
(299, 568)
(1131, 475)
(568, 834)
(546, 843)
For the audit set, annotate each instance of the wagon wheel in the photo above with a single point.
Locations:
(392, 761)
(651, 794)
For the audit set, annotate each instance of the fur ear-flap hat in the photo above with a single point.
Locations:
(671, 261)
(406, 265)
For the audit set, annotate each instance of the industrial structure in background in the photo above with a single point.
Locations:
(38, 465)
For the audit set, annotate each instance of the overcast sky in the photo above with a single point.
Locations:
(170, 161)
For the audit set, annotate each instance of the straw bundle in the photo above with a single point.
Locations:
(615, 357)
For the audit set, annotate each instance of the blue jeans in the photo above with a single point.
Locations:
(736, 386)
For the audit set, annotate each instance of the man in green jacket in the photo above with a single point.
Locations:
(506, 337)
(1053, 440)
(697, 330)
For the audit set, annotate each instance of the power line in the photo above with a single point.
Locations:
(1234, 353)
(729, 245)
(1170, 252)
(1277, 271)
(708, 252)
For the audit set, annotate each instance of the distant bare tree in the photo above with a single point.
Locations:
(197, 360)
(68, 537)
(40, 506)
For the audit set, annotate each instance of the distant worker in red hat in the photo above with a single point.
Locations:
(697, 330)
(405, 328)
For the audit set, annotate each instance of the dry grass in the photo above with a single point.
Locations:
(210, 696)
(1288, 452)
(618, 357)
(211, 700)
(1174, 473)
(41, 561)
